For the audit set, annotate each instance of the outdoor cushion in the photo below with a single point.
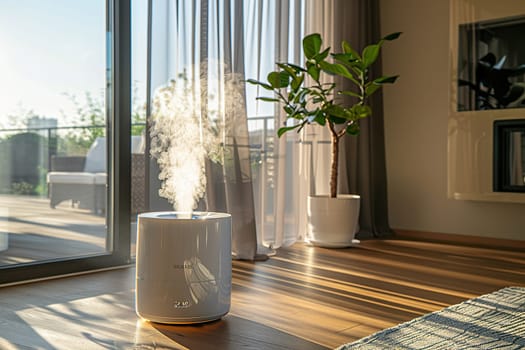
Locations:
(64, 177)
(88, 187)
(96, 157)
(101, 178)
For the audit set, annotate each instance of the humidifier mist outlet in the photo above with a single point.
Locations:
(183, 266)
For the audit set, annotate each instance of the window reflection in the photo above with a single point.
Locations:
(53, 178)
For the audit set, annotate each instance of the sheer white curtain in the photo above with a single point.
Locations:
(249, 36)
(204, 41)
(294, 166)
(299, 163)
(274, 30)
(320, 19)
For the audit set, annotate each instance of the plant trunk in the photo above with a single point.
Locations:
(334, 171)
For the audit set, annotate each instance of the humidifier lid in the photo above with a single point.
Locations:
(196, 215)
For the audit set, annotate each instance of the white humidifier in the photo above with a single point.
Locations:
(183, 267)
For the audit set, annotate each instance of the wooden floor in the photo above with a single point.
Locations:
(302, 298)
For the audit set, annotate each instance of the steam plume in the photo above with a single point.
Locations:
(195, 120)
(182, 137)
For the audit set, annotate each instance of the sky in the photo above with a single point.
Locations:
(51, 48)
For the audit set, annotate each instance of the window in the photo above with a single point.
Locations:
(64, 143)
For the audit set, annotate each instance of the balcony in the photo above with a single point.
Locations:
(31, 230)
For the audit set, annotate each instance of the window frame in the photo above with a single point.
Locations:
(118, 128)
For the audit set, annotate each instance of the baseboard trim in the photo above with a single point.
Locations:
(467, 240)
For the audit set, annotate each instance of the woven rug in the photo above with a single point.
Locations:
(491, 321)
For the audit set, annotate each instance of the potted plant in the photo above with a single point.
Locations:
(307, 98)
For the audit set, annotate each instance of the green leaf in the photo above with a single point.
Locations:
(327, 88)
(301, 96)
(285, 129)
(338, 120)
(392, 36)
(349, 93)
(260, 83)
(321, 56)
(348, 49)
(279, 79)
(370, 54)
(267, 99)
(320, 119)
(274, 79)
(285, 79)
(385, 80)
(316, 116)
(371, 88)
(347, 58)
(335, 68)
(317, 99)
(293, 113)
(337, 111)
(353, 129)
(296, 67)
(313, 71)
(297, 82)
(361, 111)
(285, 66)
(312, 45)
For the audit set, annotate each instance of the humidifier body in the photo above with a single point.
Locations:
(183, 267)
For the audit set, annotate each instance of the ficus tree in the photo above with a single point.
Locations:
(307, 97)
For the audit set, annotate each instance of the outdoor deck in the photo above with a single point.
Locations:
(35, 232)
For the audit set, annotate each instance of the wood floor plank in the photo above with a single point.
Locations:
(302, 298)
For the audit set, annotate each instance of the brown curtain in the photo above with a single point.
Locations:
(362, 163)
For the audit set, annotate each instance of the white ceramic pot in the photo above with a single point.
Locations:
(333, 222)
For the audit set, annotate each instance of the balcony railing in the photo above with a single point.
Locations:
(26, 153)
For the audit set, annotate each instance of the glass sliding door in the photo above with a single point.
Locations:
(65, 88)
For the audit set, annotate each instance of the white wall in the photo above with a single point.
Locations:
(416, 119)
